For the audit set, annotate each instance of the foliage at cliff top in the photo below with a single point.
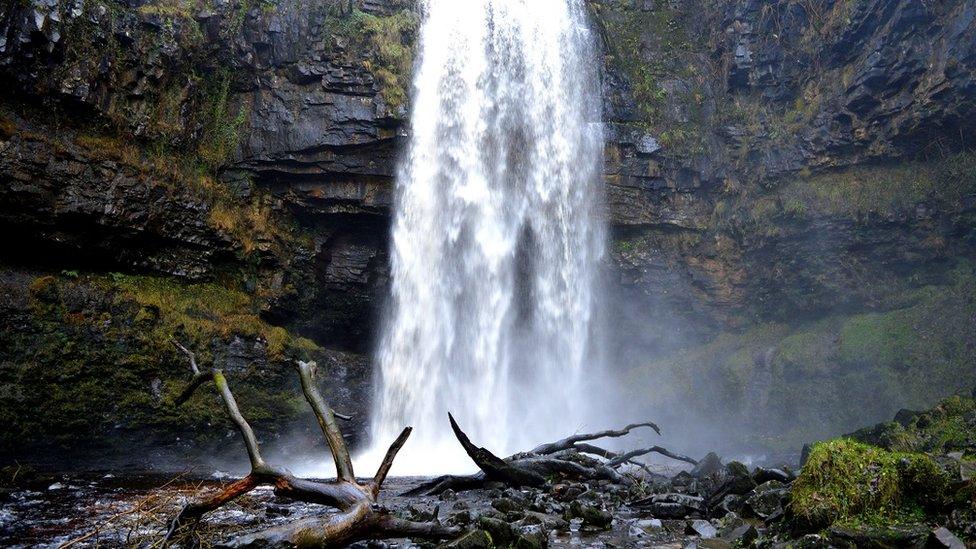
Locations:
(648, 45)
(389, 40)
(249, 221)
(844, 480)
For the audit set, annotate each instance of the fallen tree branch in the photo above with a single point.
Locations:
(566, 458)
(568, 442)
(627, 457)
(360, 517)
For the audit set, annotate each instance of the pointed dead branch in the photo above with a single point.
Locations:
(387, 462)
(495, 468)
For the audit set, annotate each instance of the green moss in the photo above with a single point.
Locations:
(94, 354)
(888, 189)
(861, 194)
(203, 311)
(170, 8)
(844, 480)
(388, 41)
(648, 45)
(949, 426)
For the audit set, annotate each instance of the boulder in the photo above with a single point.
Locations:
(878, 536)
(708, 466)
(478, 539)
(761, 475)
(590, 514)
(547, 521)
(506, 505)
(766, 500)
(728, 504)
(742, 535)
(502, 533)
(942, 537)
(532, 537)
(701, 528)
(739, 482)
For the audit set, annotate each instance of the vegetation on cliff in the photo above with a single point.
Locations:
(92, 354)
(796, 379)
(387, 42)
(861, 193)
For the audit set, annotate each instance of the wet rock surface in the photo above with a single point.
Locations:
(720, 123)
(721, 505)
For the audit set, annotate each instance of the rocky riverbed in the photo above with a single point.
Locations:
(905, 483)
(93, 509)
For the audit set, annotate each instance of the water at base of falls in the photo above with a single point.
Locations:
(496, 237)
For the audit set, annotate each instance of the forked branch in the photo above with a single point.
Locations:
(360, 517)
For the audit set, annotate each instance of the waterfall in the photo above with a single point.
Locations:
(496, 235)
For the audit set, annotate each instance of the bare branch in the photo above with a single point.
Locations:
(360, 518)
(624, 458)
(593, 450)
(387, 462)
(194, 511)
(568, 442)
(250, 441)
(441, 484)
(327, 422)
(189, 354)
(191, 387)
(494, 467)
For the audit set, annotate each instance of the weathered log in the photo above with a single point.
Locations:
(360, 517)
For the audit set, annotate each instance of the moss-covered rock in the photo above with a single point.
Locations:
(387, 40)
(948, 427)
(847, 481)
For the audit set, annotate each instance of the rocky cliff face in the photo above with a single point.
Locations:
(796, 177)
(770, 166)
(234, 154)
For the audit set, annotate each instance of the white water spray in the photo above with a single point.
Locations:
(496, 237)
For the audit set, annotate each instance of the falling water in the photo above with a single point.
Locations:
(496, 237)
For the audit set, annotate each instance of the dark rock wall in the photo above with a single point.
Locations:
(776, 170)
(769, 163)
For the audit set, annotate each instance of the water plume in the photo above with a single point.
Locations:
(496, 237)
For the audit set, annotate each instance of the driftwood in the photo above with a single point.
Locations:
(359, 517)
(571, 457)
